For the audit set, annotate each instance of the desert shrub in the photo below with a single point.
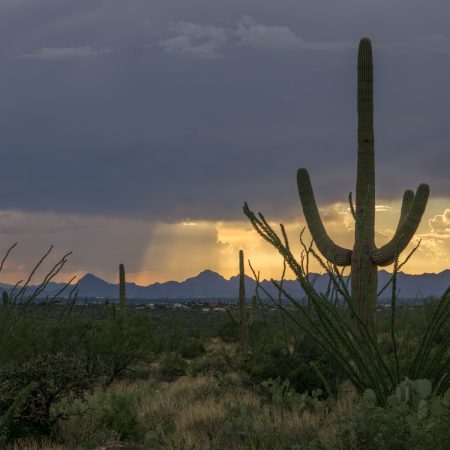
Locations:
(113, 346)
(119, 413)
(218, 361)
(65, 357)
(172, 366)
(67, 336)
(192, 348)
(84, 428)
(271, 363)
(159, 437)
(170, 335)
(298, 365)
(227, 331)
(53, 377)
(263, 335)
(8, 416)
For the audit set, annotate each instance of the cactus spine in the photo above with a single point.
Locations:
(122, 293)
(243, 324)
(365, 257)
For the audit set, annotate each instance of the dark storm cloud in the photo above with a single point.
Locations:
(174, 109)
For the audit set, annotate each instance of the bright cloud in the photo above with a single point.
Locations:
(207, 41)
(440, 224)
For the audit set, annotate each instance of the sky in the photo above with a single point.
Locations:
(133, 132)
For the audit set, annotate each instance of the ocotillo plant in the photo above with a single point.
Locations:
(122, 293)
(243, 323)
(365, 257)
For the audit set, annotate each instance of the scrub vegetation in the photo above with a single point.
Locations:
(76, 376)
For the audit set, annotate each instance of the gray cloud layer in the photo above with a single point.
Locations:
(52, 53)
(167, 110)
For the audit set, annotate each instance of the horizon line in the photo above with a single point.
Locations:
(248, 276)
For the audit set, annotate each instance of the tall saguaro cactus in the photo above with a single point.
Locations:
(122, 293)
(365, 257)
(243, 324)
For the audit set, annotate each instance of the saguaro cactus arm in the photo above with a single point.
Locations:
(386, 254)
(408, 198)
(332, 252)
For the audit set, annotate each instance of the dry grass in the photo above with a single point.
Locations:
(198, 408)
(31, 444)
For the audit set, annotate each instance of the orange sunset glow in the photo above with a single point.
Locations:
(176, 251)
(215, 245)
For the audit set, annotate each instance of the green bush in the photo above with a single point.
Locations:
(119, 413)
(8, 417)
(275, 361)
(216, 362)
(172, 366)
(192, 348)
(170, 335)
(84, 428)
(53, 377)
(228, 331)
(65, 358)
(111, 347)
(159, 437)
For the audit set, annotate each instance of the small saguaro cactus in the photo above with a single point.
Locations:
(122, 293)
(243, 323)
(365, 257)
(5, 299)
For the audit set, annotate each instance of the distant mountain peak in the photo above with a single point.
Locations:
(208, 274)
(91, 281)
(90, 277)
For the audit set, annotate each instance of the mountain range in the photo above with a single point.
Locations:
(211, 285)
